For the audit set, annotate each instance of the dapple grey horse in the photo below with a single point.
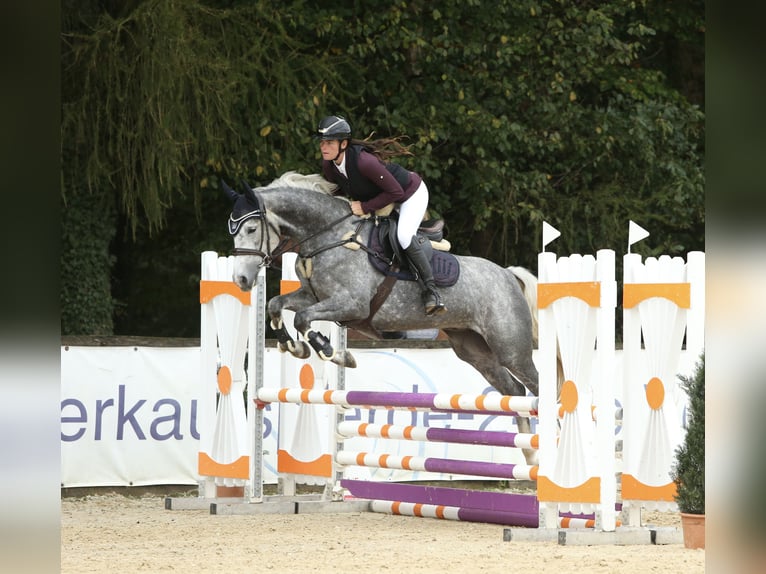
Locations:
(489, 319)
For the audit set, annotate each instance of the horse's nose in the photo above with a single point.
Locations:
(243, 282)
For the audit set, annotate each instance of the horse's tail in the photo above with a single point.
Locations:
(528, 282)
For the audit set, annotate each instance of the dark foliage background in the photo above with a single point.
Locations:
(585, 115)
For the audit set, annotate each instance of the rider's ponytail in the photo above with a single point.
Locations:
(384, 148)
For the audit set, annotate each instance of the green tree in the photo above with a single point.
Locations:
(689, 468)
(580, 114)
(524, 111)
(159, 98)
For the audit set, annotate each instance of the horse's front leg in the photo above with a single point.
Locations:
(293, 301)
(339, 309)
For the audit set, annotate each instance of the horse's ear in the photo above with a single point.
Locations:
(230, 193)
(249, 193)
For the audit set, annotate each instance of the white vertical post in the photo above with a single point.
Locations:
(547, 410)
(605, 381)
(695, 320)
(289, 373)
(255, 375)
(208, 360)
(631, 392)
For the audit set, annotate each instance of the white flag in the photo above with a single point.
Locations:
(635, 234)
(549, 233)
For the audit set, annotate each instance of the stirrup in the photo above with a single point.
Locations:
(433, 302)
(437, 309)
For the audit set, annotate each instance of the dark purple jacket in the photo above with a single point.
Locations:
(374, 183)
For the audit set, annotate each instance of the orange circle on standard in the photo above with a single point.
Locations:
(306, 377)
(655, 393)
(568, 396)
(224, 380)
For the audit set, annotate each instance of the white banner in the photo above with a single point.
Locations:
(128, 416)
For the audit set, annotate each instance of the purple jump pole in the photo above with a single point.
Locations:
(511, 509)
(465, 505)
(438, 465)
(436, 434)
(478, 499)
(487, 404)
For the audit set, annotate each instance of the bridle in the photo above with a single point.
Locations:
(235, 225)
(284, 245)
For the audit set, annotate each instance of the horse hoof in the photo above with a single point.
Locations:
(299, 349)
(345, 359)
(531, 456)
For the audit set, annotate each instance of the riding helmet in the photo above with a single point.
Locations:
(333, 128)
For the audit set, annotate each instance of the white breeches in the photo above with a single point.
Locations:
(411, 214)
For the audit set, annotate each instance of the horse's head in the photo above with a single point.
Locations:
(255, 238)
(294, 209)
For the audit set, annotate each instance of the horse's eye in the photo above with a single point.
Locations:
(251, 230)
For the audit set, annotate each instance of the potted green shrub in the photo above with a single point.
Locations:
(688, 472)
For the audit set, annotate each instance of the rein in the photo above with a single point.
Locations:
(331, 245)
(351, 239)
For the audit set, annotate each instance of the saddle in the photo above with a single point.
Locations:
(386, 255)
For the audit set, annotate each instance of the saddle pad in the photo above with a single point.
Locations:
(446, 268)
(445, 265)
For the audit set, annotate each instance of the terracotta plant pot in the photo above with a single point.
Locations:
(694, 530)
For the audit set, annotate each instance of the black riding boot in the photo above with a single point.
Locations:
(422, 267)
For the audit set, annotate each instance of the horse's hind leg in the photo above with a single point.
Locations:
(473, 349)
(513, 350)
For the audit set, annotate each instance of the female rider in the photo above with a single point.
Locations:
(363, 174)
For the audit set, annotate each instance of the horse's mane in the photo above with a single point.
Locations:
(313, 182)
